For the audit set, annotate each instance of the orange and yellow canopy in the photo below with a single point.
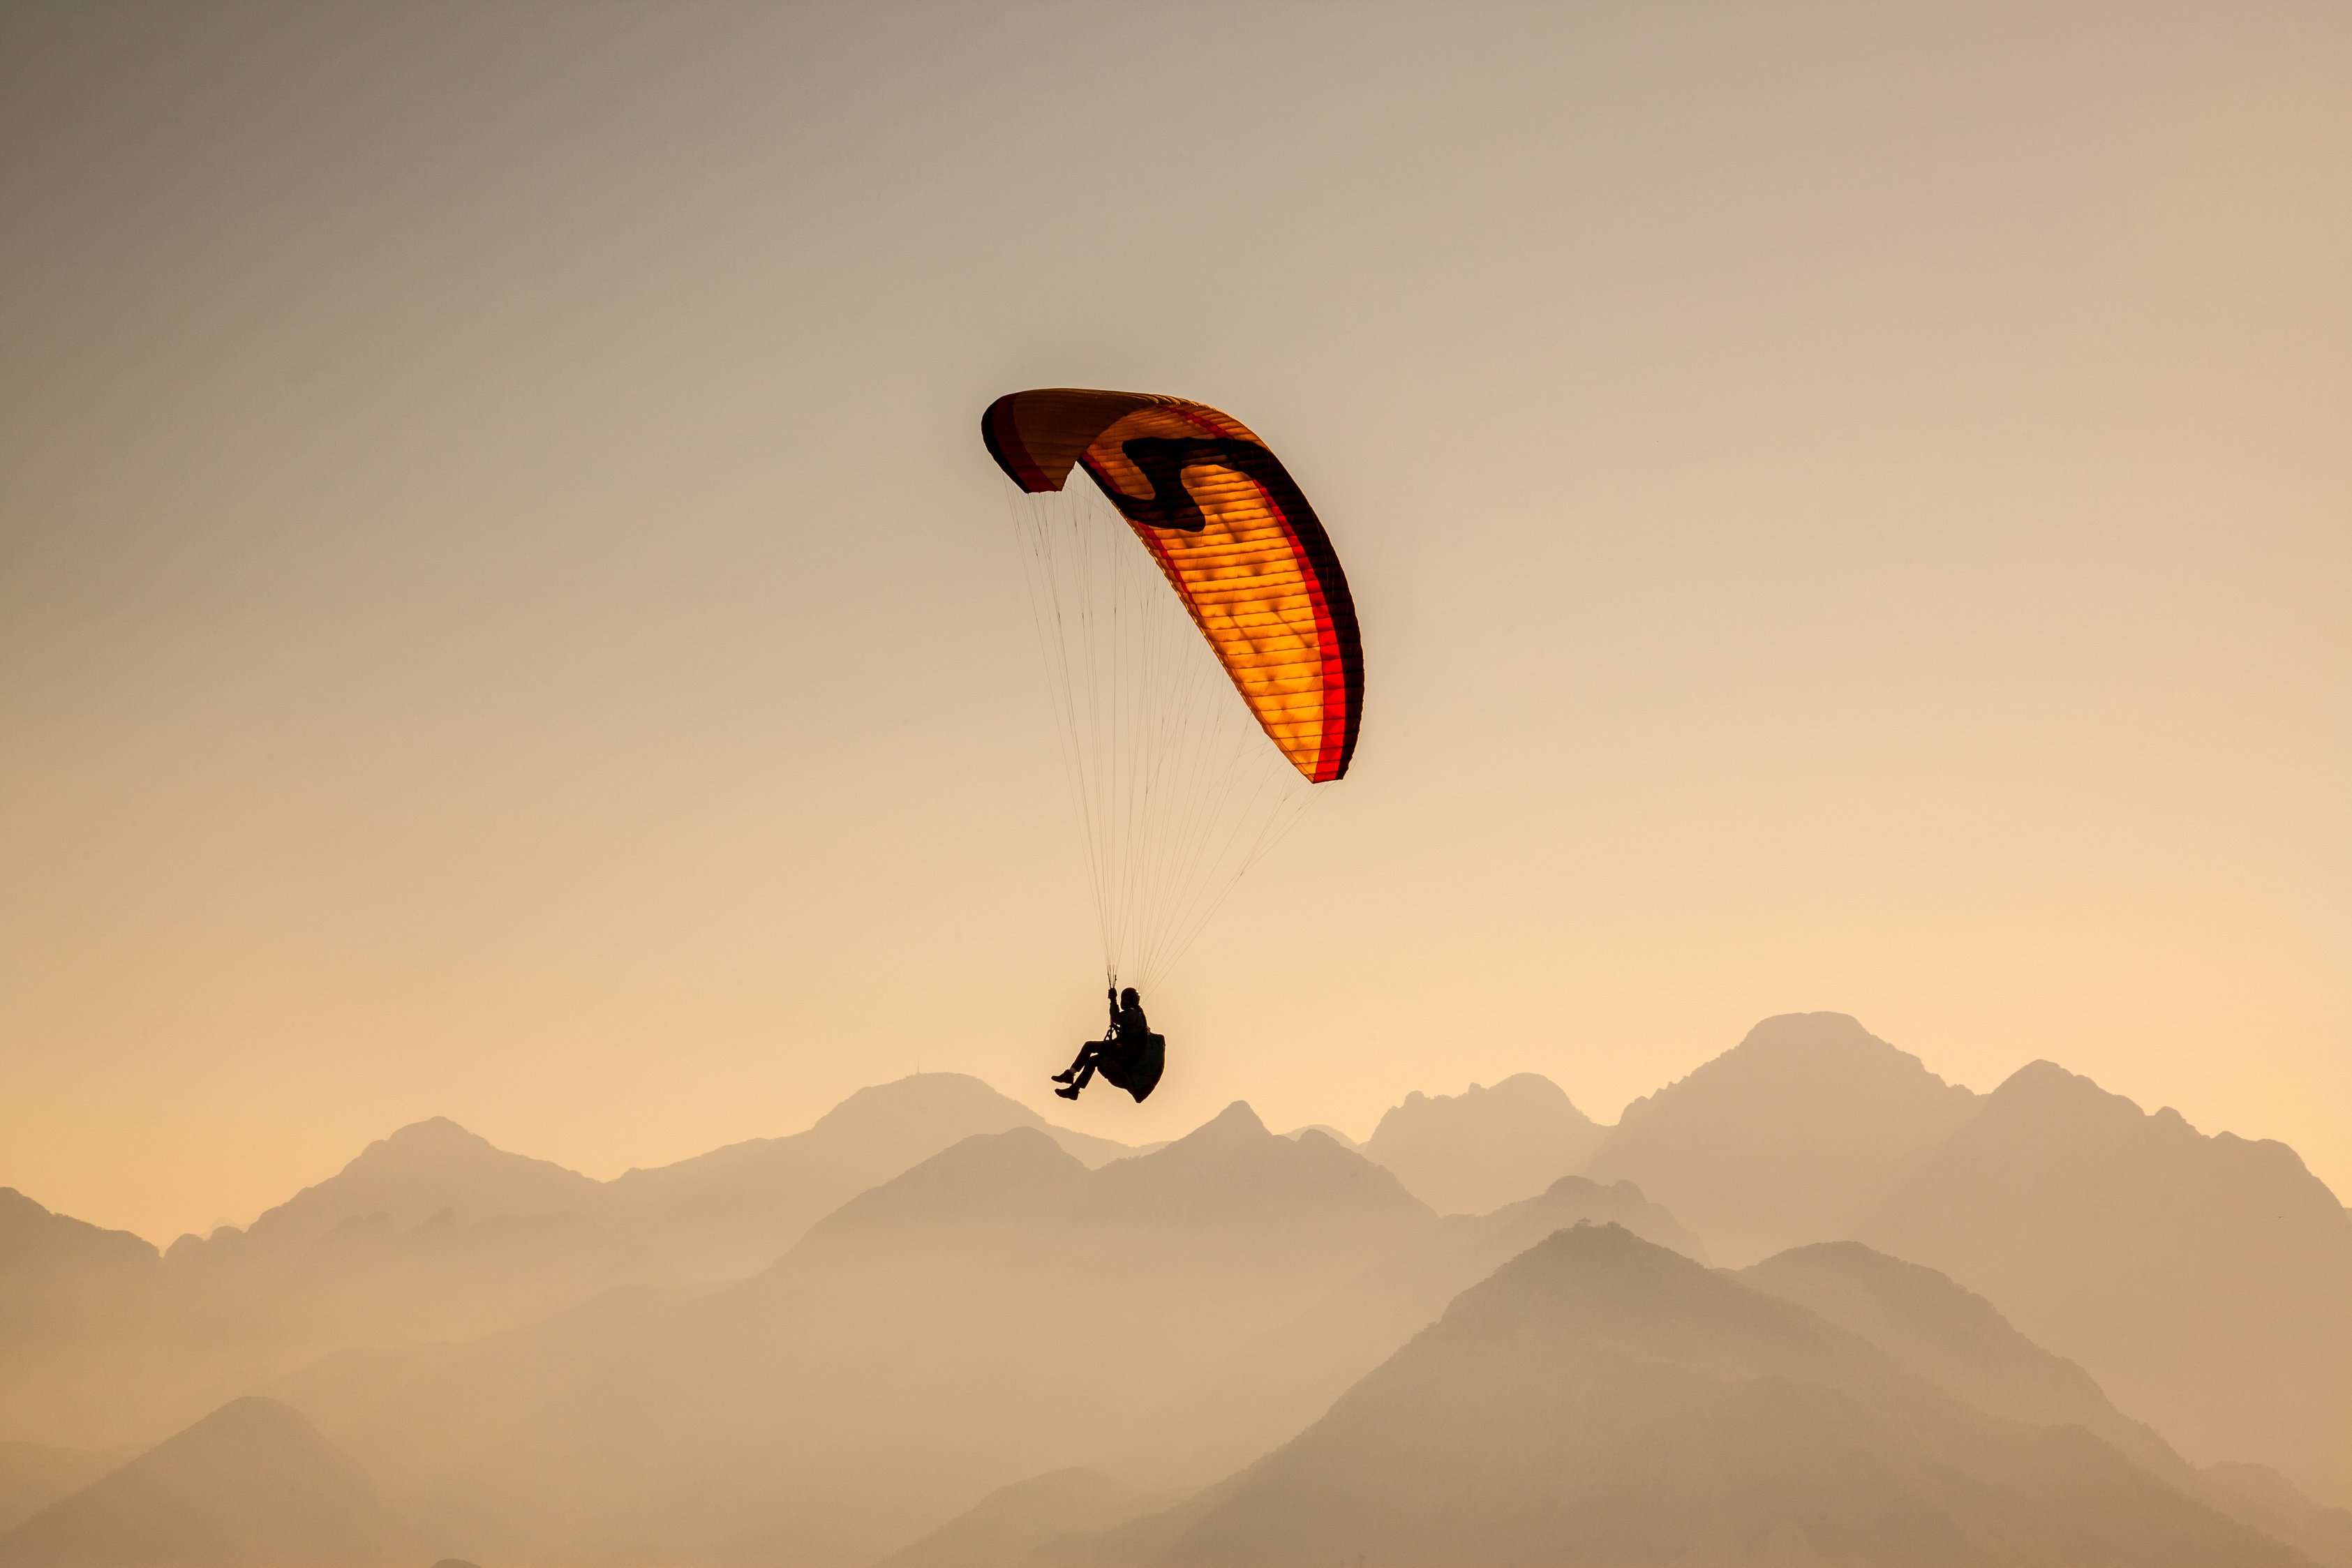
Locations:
(1234, 536)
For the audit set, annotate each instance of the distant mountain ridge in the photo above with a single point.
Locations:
(432, 1233)
(1475, 1151)
(416, 1173)
(720, 1215)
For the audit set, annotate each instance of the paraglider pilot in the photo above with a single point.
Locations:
(1129, 1055)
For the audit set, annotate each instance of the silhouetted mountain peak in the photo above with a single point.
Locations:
(434, 1132)
(1530, 1088)
(1606, 1280)
(2044, 1086)
(1217, 1173)
(1573, 1200)
(1775, 1142)
(1792, 1057)
(921, 1095)
(1235, 1123)
(419, 1170)
(438, 1147)
(32, 1237)
(2044, 1094)
(1474, 1152)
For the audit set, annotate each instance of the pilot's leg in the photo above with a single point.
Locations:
(1080, 1071)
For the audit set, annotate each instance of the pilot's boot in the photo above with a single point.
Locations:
(1069, 1093)
(1066, 1075)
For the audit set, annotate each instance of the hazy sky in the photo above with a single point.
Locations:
(504, 611)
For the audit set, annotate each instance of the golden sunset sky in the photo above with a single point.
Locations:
(504, 611)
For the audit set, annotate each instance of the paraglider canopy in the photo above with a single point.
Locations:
(1233, 537)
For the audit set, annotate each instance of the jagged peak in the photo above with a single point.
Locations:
(26, 1217)
(1818, 1034)
(1235, 1122)
(432, 1130)
(438, 1141)
(1831, 1042)
(916, 1087)
(1588, 1243)
(2043, 1088)
(2044, 1078)
(1524, 1090)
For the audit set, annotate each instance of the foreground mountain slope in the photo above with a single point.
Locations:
(2266, 1500)
(1956, 1339)
(1601, 1400)
(1007, 1528)
(35, 1475)
(2203, 1280)
(1274, 1387)
(251, 1485)
(1779, 1141)
(1472, 1153)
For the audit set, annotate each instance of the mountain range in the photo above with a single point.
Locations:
(827, 1347)
(429, 1235)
